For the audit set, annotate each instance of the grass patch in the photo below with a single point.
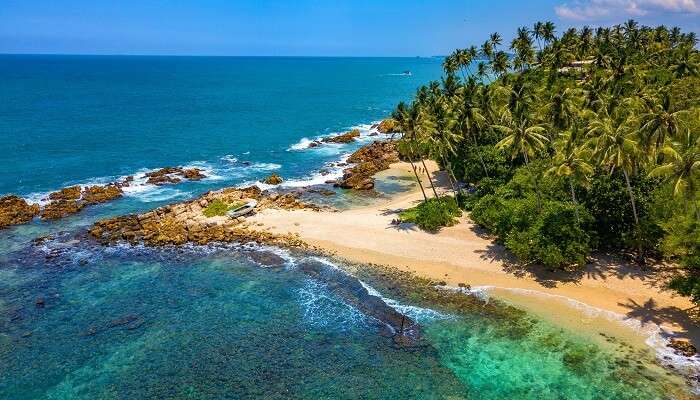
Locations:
(219, 208)
(433, 214)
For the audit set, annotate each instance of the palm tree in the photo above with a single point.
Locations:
(538, 32)
(660, 120)
(548, 32)
(563, 108)
(495, 39)
(615, 145)
(682, 167)
(523, 139)
(500, 63)
(406, 119)
(570, 162)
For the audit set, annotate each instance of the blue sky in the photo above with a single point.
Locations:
(302, 27)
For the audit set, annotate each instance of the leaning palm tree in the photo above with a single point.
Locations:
(682, 167)
(405, 117)
(523, 139)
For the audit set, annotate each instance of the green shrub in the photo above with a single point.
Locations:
(682, 245)
(433, 214)
(551, 236)
(219, 208)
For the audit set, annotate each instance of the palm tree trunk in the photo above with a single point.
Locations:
(634, 211)
(430, 179)
(413, 166)
(629, 191)
(573, 197)
(450, 175)
(534, 181)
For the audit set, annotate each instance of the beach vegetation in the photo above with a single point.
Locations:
(219, 208)
(562, 144)
(433, 214)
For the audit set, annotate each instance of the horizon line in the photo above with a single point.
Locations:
(213, 55)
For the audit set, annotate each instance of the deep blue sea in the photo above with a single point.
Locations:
(83, 321)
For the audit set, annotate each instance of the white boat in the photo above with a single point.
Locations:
(242, 210)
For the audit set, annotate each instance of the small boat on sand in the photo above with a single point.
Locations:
(243, 209)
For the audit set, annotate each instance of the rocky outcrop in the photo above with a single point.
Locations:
(346, 137)
(388, 125)
(60, 208)
(185, 222)
(101, 194)
(273, 179)
(370, 159)
(15, 210)
(172, 175)
(71, 200)
(68, 193)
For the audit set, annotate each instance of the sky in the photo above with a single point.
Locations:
(303, 27)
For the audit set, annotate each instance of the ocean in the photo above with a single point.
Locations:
(84, 321)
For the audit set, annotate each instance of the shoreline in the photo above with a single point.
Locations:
(464, 255)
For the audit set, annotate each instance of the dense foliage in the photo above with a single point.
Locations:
(573, 142)
(433, 214)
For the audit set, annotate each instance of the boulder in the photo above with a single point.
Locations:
(273, 179)
(60, 208)
(389, 125)
(15, 210)
(683, 347)
(68, 193)
(101, 194)
(346, 137)
(193, 174)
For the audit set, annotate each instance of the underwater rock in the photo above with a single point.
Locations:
(346, 137)
(267, 258)
(40, 302)
(404, 332)
(15, 210)
(273, 179)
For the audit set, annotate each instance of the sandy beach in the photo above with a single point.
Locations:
(464, 254)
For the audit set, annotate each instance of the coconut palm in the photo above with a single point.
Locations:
(571, 163)
(406, 119)
(525, 140)
(682, 167)
(616, 147)
(660, 120)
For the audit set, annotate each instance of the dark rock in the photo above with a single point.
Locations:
(683, 347)
(273, 179)
(40, 302)
(267, 258)
(193, 174)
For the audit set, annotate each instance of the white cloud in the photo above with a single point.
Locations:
(586, 10)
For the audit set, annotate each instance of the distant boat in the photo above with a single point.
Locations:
(407, 73)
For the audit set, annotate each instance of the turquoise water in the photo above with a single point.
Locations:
(80, 321)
